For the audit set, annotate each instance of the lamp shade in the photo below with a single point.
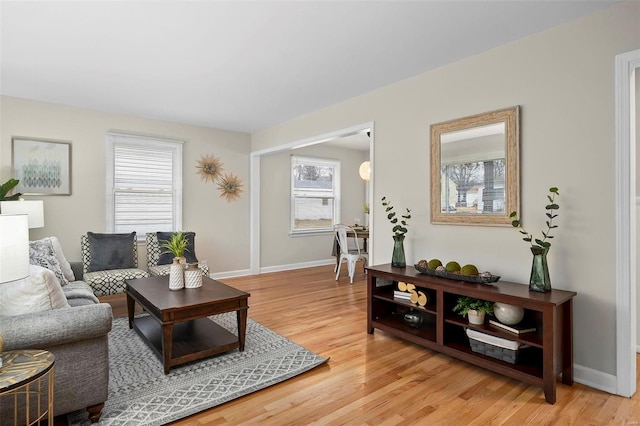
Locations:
(365, 171)
(14, 247)
(34, 209)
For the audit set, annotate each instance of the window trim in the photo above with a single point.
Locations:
(336, 195)
(173, 145)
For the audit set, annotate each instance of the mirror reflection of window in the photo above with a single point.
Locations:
(473, 170)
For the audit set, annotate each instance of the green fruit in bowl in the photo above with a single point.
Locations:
(452, 267)
(469, 270)
(434, 263)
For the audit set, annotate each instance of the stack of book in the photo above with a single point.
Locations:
(402, 295)
(515, 328)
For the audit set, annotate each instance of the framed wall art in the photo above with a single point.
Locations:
(42, 166)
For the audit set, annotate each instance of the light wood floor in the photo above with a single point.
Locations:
(382, 380)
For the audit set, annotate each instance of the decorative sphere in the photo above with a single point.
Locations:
(508, 314)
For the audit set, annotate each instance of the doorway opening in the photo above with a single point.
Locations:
(256, 159)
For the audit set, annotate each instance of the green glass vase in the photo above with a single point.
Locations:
(539, 280)
(397, 259)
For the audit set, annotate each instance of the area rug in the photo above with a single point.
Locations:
(141, 394)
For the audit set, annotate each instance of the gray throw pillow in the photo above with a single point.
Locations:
(111, 251)
(189, 254)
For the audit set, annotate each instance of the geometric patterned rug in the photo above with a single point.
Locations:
(141, 394)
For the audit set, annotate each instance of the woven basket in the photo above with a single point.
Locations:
(502, 349)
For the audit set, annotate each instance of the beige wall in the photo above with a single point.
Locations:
(277, 247)
(222, 228)
(564, 81)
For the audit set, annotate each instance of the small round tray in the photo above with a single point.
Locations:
(458, 277)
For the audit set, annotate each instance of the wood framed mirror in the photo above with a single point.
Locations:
(475, 169)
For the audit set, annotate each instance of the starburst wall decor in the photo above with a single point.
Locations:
(209, 167)
(210, 170)
(230, 186)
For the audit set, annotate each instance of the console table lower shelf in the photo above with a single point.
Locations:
(544, 354)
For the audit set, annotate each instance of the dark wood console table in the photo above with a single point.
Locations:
(550, 347)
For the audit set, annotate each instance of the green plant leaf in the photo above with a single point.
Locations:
(6, 187)
(524, 232)
(527, 239)
(513, 214)
(552, 207)
(546, 244)
(539, 242)
(391, 215)
(554, 190)
(515, 223)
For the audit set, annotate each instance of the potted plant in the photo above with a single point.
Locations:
(474, 308)
(176, 245)
(539, 279)
(399, 229)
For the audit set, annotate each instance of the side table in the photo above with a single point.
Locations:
(22, 378)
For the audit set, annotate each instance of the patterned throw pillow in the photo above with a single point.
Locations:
(41, 253)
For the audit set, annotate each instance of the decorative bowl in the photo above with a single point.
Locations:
(459, 277)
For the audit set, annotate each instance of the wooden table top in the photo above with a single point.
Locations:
(156, 291)
(22, 366)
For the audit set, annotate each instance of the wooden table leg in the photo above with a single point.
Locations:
(130, 308)
(167, 346)
(566, 315)
(548, 351)
(242, 327)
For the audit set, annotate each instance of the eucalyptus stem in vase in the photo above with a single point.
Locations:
(539, 279)
(399, 230)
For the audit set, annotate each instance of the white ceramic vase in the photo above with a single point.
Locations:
(192, 276)
(176, 275)
(475, 317)
(508, 314)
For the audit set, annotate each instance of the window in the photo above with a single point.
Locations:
(144, 184)
(315, 194)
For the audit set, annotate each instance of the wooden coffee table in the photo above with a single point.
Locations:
(177, 328)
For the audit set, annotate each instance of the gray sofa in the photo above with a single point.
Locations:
(77, 336)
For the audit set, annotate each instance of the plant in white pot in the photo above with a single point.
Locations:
(176, 245)
(475, 309)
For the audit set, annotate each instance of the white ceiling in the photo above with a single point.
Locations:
(246, 66)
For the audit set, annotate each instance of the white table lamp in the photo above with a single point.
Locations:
(14, 251)
(32, 208)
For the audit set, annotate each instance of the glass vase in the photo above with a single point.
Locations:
(539, 280)
(397, 259)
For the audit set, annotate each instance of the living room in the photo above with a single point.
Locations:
(563, 80)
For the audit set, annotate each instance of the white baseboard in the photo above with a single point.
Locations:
(594, 379)
(278, 268)
(230, 274)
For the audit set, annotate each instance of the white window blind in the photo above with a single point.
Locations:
(315, 194)
(144, 184)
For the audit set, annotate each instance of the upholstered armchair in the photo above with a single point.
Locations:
(108, 260)
(159, 263)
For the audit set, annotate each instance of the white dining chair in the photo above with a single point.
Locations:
(350, 255)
